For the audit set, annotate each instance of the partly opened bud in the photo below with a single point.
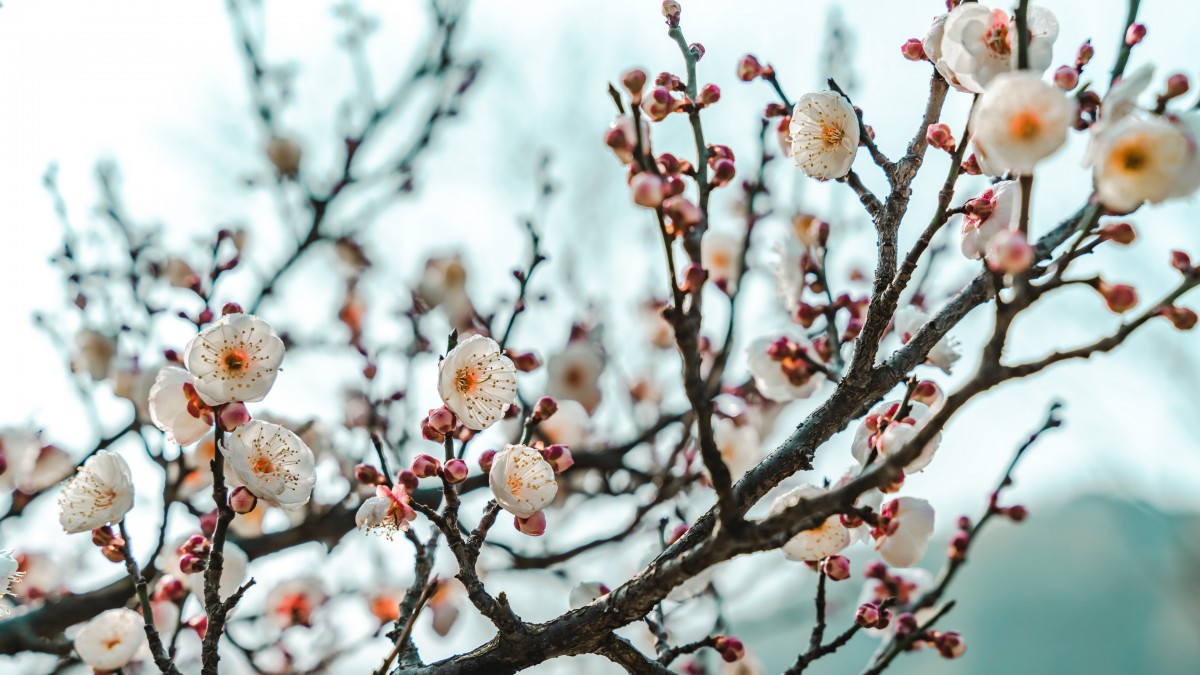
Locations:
(559, 457)
(940, 137)
(191, 563)
(709, 94)
(950, 645)
(425, 466)
(242, 500)
(544, 409)
(913, 50)
(868, 615)
(748, 68)
(534, 526)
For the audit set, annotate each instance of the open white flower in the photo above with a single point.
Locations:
(824, 132)
(881, 432)
(272, 462)
(738, 444)
(909, 527)
(233, 573)
(1003, 203)
(1019, 121)
(522, 480)
(721, 257)
(387, 512)
(100, 493)
(943, 355)
(111, 639)
(1144, 160)
(235, 359)
(10, 574)
(175, 407)
(476, 382)
(978, 44)
(778, 369)
(574, 374)
(827, 539)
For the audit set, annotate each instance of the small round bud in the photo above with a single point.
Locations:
(441, 420)
(1084, 55)
(1120, 298)
(1120, 233)
(242, 500)
(647, 189)
(939, 136)
(906, 623)
(709, 94)
(964, 523)
(485, 460)
(534, 526)
(1182, 262)
(1180, 317)
(368, 475)
(748, 68)
(190, 563)
(1009, 252)
(1135, 34)
(526, 362)
(868, 615)
(913, 50)
(233, 415)
(425, 466)
(1177, 85)
(1017, 513)
(1066, 78)
(284, 154)
(544, 409)
(204, 316)
(634, 81)
(455, 471)
(723, 171)
(731, 649)
(408, 479)
(836, 567)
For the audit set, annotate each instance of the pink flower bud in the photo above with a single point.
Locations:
(730, 648)
(1180, 317)
(836, 567)
(634, 81)
(1084, 55)
(233, 415)
(1017, 513)
(647, 189)
(748, 68)
(1135, 34)
(526, 362)
(683, 213)
(1119, 233)
(1066, 78)
(670, 82)
(425, 466)
(431, 434)
(408, 479)
(1177, 85)
(197, 543)
(658, 104)
(368, 475)
(693, 278)
(970, 165)
(671, 10)
(485, 460)
(868, 615)
(775, 110)
(723, 172)
(1120, 298)
(1009, 252)
(113, 552)
(709, 94)
(242, 500)
(875, 570)
(191, 563)
(442, 421)
(913, 50)
(231, 308)
(103, 536)
(1182, 262)
(534, 526)
(697, 49)
(544, 409)
(455, 471)
(170, 589)
(950, 645)
(906, 623)
(958, 545)
(559, 457)
(939, 136)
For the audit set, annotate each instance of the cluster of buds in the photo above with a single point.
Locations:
(791, 359)
(439, 423)
(1120, 298)
(949, 644)
(558, 456)
(427, 466)
(890, 585)
(170, 589)
(111, 544)
(668, 96)
(939, 136)
(720, 164)
(241, 500)
(914, 50)
(836, 567)
(193, 554)
(961, 540)
(730, 648)
(871, 615)
(1119, 233)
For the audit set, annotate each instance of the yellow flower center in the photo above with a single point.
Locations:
(1129, 156)
(236, 360)
(831, 134)
(465, 380)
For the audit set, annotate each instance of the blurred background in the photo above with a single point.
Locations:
(1103, 577)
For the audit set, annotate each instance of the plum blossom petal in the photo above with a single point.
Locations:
(182, 420)
(824, 135)
(476, 382)
(522, 481)
(100, 493)
(111, 639)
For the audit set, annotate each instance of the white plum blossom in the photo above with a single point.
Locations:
(10, 575)
(979, 44)
(235, 359)
(1121, 99)
(585, 593)
(100, 493)
(111, 639)
(945, 352)
(932, 44)
(738, 444)
(176, 409)
(272, 462)
(476, 382)
(522, 481)
(1140, 160)
(780, 373)
(825, 540)
(574, 374)
(1019, 121)
(387, 512)
(824, 135)
(1002, 204)
(882, 432)
(909, 525)
(32, 465)
(721, 257)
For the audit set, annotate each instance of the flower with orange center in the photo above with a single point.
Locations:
(822, 541)
(974, 44)
(111, 639)
(824, 135)
(476, 382)
(522, 480)
(387, 512)
(1144, 160)
(100, 493)
(1019, 121)
(272, 462)
(235, 359)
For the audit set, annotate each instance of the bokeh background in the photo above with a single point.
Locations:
(1102, 578)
